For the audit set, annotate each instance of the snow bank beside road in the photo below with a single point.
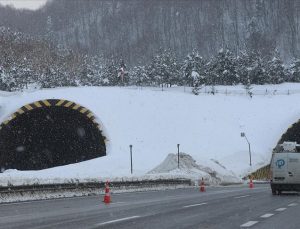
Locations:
(154, 122)
(211, 171)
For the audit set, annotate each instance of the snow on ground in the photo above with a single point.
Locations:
(213, 172)
(154, 122)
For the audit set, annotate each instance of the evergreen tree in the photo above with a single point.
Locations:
(91, 71)
(193, 69)
(164, 69)
(275, 70)
(223, 68)
(4, 80)
(197, 82)
(294, 71)
(250, 67)
(138, 76)
(110, 73)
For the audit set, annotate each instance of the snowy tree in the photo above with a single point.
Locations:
(223, 68)
(138, 76)
(110, 73)
(196, 83)
(250, 68)
(193, 69)
(294, 70)
(164, 69)
(275, 69)
(5, 80)
(90, 71)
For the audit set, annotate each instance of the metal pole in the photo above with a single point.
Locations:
(250, 153)
(249, 150)
(178, 154)
(130, 157)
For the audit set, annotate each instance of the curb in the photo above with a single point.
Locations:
(53, 191)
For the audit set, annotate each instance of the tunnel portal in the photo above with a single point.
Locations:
(292, 134)
(50, 133)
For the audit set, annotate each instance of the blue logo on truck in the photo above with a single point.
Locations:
(279, 163)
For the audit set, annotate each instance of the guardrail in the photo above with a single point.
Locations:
(48, 191)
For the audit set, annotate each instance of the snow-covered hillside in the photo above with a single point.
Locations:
(154, 122)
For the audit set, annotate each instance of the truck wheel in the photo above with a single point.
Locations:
(274, 192)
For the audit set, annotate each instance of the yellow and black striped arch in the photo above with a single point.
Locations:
(48, 103)
(261, 174)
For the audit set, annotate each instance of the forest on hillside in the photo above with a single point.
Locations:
(26, 62)
(150, 43)
(135, 30)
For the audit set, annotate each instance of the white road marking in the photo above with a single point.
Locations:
(194, 205)
(117, 203)
(292, 204)
(238, 197)
(118, 220)
(249, 224)
(280, 209)
(267, 215)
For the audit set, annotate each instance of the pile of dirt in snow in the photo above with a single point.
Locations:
(213, 172)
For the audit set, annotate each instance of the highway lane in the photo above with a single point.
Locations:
(218, 207)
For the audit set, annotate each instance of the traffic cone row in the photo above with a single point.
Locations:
(107, 199)
(202, 186)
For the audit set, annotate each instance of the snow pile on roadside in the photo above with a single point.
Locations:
(154, 122)
(213, 171)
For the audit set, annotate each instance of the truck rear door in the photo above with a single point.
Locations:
(279, 168)
(294, 167)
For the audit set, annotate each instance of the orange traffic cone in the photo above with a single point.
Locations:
(202, 186)
(107, 199)
(251, 185)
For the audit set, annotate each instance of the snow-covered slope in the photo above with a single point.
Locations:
(154, 122)
(213, 172)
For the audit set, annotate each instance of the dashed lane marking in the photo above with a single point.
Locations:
(117, 220)
(194, 205)
(280, 209)
(267, 215)
(239, 197)
(249, 224)
(292, 204)
(117, 203)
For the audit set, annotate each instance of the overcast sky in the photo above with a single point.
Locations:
(27, 4)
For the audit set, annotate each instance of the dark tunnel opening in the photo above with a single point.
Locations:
(49, 136)
(292, 134)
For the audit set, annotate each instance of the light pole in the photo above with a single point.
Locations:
(130, 146)
(243, 135)
(178, 154)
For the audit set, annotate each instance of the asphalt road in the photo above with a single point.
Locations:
(219, 207)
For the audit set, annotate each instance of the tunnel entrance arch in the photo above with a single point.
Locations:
(292, 134)
(50, 133)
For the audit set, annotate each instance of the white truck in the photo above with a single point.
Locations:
(285, 168)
